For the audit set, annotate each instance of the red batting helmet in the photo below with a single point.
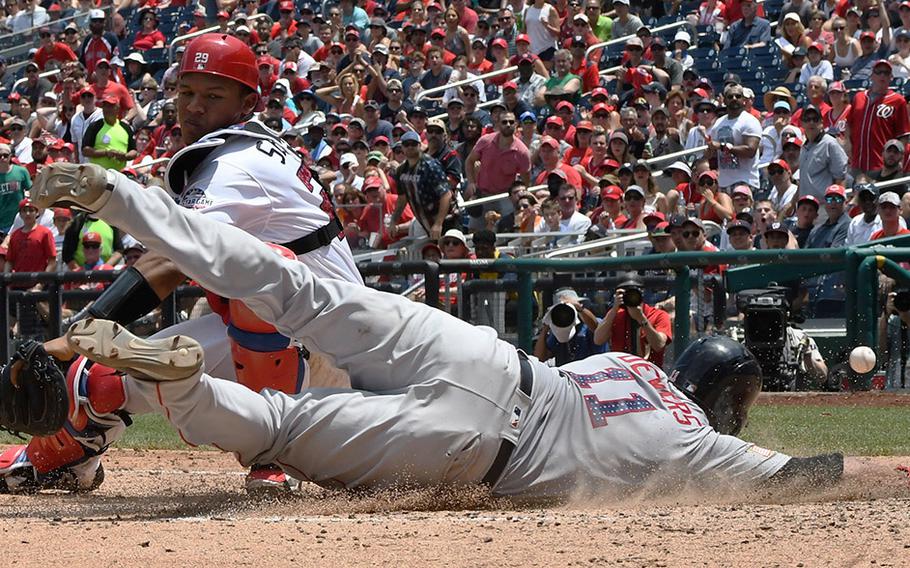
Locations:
(222, 55)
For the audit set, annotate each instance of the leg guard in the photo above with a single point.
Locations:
(263, 358)
(70, 459)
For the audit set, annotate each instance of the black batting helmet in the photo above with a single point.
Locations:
(722, 377)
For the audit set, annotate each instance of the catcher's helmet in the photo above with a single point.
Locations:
(223, 55)
(722, 377)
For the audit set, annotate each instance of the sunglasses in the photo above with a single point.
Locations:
(834, 199)
(838, 28)
(91, 246)
(705, 181)
(15, 128)
(775, 171)
(690, 234)
(451, 242)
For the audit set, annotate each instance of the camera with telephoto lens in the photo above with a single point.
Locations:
(562, 315)
(631, 297)
(766, 316)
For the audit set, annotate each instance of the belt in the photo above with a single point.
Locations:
(525, 385)
(317, 239)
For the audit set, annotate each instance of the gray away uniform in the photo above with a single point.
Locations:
(433, 396)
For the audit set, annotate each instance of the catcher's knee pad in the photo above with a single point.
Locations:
(263, 358)
(95, 419)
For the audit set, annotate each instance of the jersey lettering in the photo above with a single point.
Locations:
(678, 407)
(601, 409)
(271, 149)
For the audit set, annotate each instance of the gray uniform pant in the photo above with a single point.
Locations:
(432, 396)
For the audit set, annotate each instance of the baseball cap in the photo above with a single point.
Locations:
(739, 224)
(564, 105)
(91, 237)
(777, 227)
(26, 203)
(653, 216)
(436, 123)
(836, 190)
(612, 193)
(549, 141)
(661, 229)
(808, 199)
(781, 163)
(581, 16)
(455, 234)
(837, 87)
(522, 38)
(61, 212)
(694, 221)
(894, 143)
(782, 105)
(882, 62)
(677, 220)
(654, 87)
(438, 32)
(110, 99)
(499, 42)
(890, 198)
(742, 190)
(601, 107)
(817, 46)
(584, 125)
(96, 14)
(635, 189)
(410, 136)
(555, 120)
(635, 42)
(619, 135)
(510, 85)
(708, 173)
(680, 167)
(527, 116)
(375, 155)
(796, 140)
(371, 182)
(683, 36)
(599, 92)
(349, 158)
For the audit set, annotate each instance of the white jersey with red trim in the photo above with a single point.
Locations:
(248, 177)
(612, 424)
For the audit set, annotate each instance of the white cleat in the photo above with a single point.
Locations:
(84, 186)
(109, 343)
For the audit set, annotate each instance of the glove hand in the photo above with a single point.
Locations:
(33, 394)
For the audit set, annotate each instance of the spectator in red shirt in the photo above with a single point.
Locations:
(285, 26)
(103, 86)
(468, 17)
(581, 65)
(889, 207)
(31, 246)
(40, 156)
(159, 139)
(149, 36)
(549, 157)
(877, 115)
(382, 204)
(51, 50)
(654, 327)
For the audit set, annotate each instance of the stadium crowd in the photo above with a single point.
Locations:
(781, 119)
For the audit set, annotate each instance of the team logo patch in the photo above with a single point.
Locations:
(884, 111)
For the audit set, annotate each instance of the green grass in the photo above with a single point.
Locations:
(862, 431)
(791, 429)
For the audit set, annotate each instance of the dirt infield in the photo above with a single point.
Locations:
(165, 508)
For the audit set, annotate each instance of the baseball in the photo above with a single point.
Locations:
(862, 359)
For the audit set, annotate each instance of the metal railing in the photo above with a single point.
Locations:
(443, 88)
(184, 37)
(40, 76)
(623, 39)
(50, 23)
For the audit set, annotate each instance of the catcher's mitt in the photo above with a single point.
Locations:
(33, 397)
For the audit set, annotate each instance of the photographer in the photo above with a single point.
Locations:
(654, 329)
(893, 341)
(567, 333)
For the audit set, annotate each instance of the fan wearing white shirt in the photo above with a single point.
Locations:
(817, 65)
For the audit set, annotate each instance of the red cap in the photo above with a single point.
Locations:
(866, 35)
(601, 107)
(817, 45)
(26, 203)
(795, 140)
(222, 15)
(63, 212)
(612, 192)
(103, 61)
(884, 62)
(837, 87)
(611, 163)
(14, 97)
(264, 60)
(110, 98)
(379, 139)
(702, 94)
(550, 141)
(584, 125)
(555, 120)
(510, 85)
(91, 237)
(654, 215)
(836, 190)
(354, 33)
(565, 104)
(809, 198)
(372, 182)
(499, 42)
(599, 91)
(709, 173)
(286, 6)
(439, 32)
(781, 163)
(290, 66)
(904, 5)
(523, 38)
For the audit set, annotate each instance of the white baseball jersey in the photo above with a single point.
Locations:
(612, 424)
(248, 177)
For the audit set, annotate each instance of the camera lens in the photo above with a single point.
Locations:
(563, 315)
(631, 297)
(902, 300)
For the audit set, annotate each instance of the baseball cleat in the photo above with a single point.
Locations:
(84, 186)
(109, 343)
(267, 481)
